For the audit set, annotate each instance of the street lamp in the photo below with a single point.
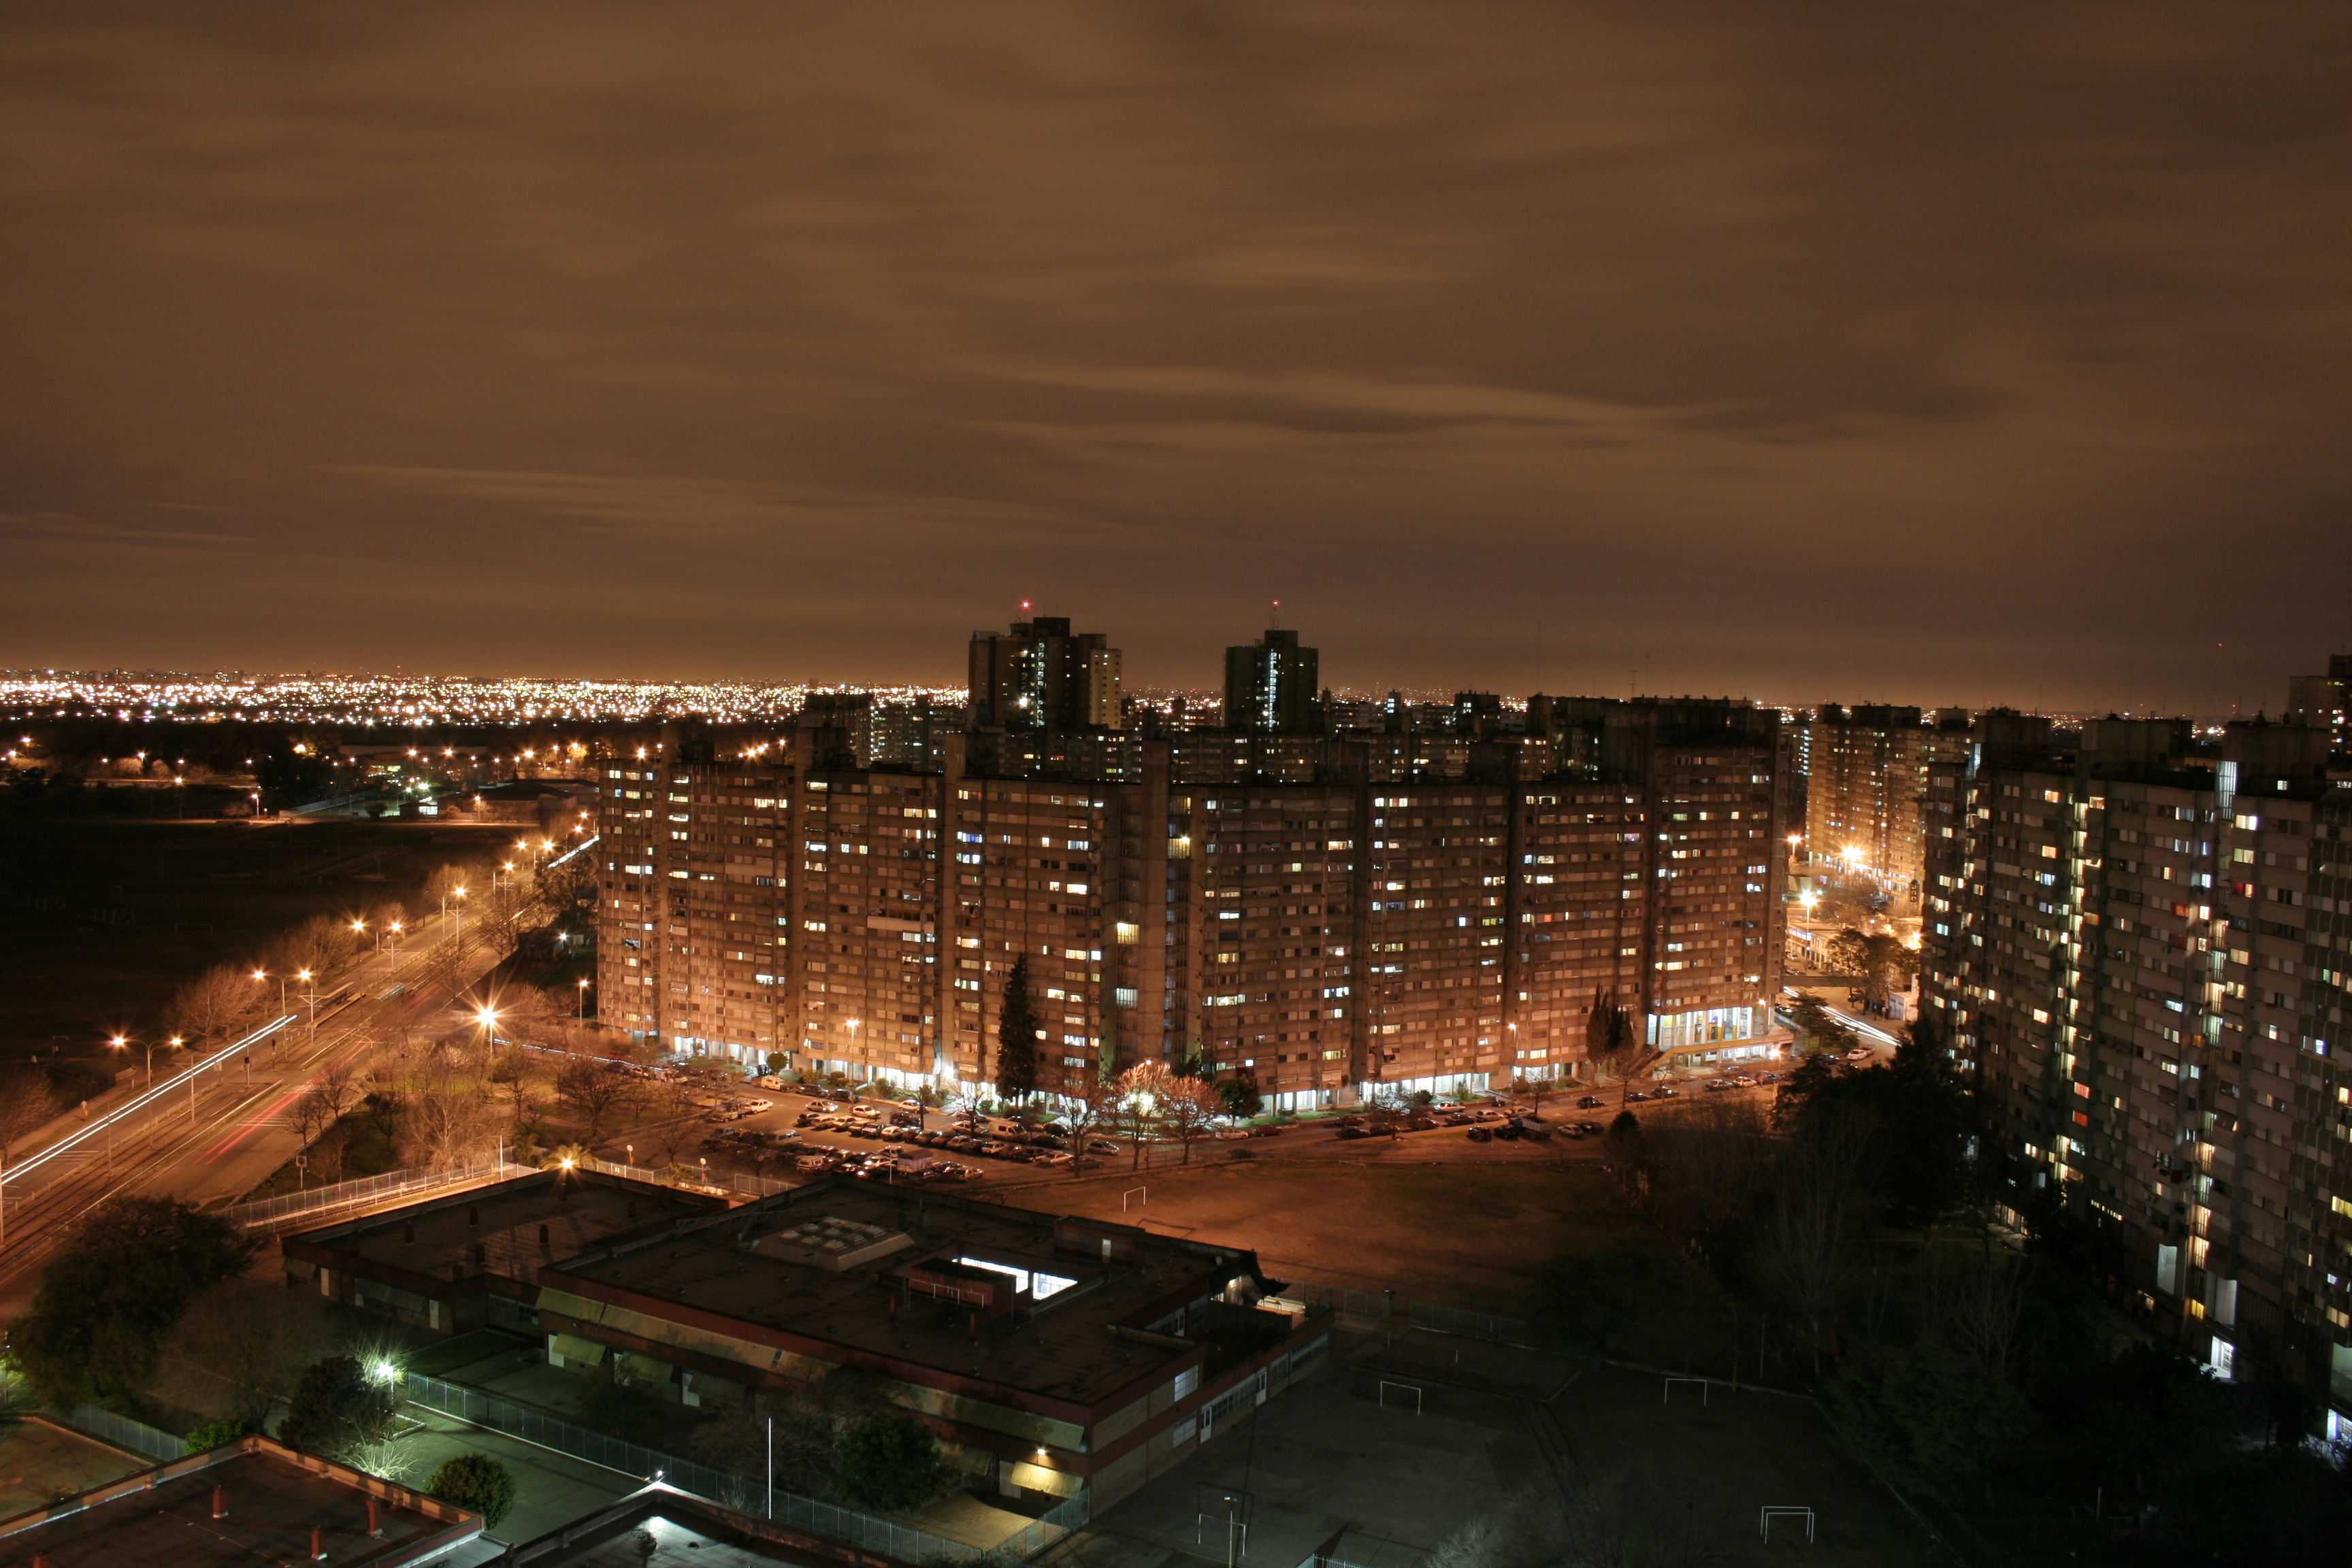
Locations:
(584, 1001)
(312, 987)
(264, 974)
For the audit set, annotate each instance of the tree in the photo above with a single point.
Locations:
(511, 1069)
(889, 1463)
(1089, 1107)
(1238, 1096)
(1932, 1418)
(475, 1481)
(737, 1441)
(323, 1103)
(1608, 1032)
(1189, 1107)
(25, 1103)
(337, 1409)
(1880, 962)
(1803, 1243)
(1624, 1154)
(108, 1298)
(1016, 1035)
(236, 1350)
(213, 1005)
(595, 1090)
(1820, 1031)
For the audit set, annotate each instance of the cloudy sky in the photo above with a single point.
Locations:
(1958, 352)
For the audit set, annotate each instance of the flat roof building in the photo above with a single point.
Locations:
(1055, 1357)
(472, 1259)
(253, 1501)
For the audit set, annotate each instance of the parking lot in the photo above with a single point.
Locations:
(762, 1129)
(783, 1133)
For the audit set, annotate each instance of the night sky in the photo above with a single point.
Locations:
(1929, 353)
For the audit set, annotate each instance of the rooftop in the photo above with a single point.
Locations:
(270, 1499)
(508, 1230)
(1065, 1308)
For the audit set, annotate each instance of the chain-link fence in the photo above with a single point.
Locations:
(124, 1433)
(905, 1543)
(1470, 1325)
(318, 1203)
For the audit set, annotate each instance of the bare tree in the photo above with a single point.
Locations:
(1804, 1241)
(26, 1104)
(1085, 1109)
(323, 1102)
(1189, 1108)
(213, 1005)
(511, 1069)
(595, 1090)
(240, 1348)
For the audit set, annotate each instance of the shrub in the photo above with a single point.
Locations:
(336, 1409)
(476, 1481)
(889, 1463)
(218, 1434)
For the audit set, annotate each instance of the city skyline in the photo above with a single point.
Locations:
(1512, 349)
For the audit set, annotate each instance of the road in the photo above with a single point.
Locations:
(217, 1128)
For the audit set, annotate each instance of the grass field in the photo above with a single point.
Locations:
(100, 921)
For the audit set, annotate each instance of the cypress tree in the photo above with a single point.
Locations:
(1016, 1037)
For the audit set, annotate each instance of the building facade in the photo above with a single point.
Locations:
(1043, 675)
(1865, 787)
(1271, 687)
(2137, 939)
(1327, 917)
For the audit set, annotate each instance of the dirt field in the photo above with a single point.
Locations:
(1458, 1235)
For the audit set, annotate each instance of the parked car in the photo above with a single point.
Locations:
(1588, 1102)
(1636, 1097)
(1347, 1132)
(1420, 1124)
(1482, 1135)
(1267, 1131)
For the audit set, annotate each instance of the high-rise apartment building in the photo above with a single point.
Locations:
(1271, 687)
(2137, 939)
(1325, 916)
(1865, 783)
(1043, 675)
(2325, 701)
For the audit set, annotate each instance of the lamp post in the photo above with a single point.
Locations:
(310, 1032)
(583, 1002)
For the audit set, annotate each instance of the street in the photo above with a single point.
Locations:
(212, 1131)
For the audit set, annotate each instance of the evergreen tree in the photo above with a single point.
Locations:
(106, 1302)
(1016, 1035)
(478, 1482)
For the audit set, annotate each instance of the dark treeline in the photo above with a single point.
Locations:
(1850, 1242)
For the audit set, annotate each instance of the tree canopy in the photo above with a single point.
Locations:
(108, 1298)
(1016, 1035)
